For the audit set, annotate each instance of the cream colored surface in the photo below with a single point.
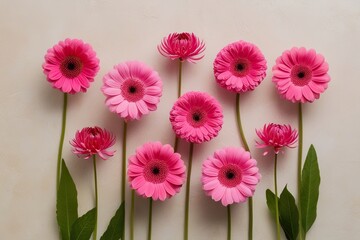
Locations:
(30, 114)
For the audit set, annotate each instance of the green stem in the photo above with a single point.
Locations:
(123, 171)
(186, 223)
(61, 144)
(276, 200)
(300, 149)
(179, 79)
(96, 197)
(150, 218)
(132, 214)
(246, 146)
(229, 222)
(176, 142)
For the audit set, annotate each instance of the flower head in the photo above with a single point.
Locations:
(182, 46)
(276, 136)
(301, 75)
(230, 175)
(156, 171)
(240, 67)
(93, 140)
(132, 90)
(71, 65)
(196, 117)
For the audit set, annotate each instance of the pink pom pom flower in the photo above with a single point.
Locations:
(301, 75)
(230, 175)
(90, 141)
(276, 136)
(156, 171)
(196, 117)
(240, 67)
(182, 46)
(71, 65)
(132, 89)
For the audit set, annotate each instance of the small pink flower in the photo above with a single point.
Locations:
(132, 89)
(230, 175)
(240, 67)
(93, 140)
(156, 171)
(196, 117)
(276, 136)
(301, 75)
(71, 65)
(182, 46)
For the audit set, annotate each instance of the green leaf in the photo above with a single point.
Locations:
(66, 203)
(270, 201)
(84, 226)
(289, 215)
(310, 182)
(116, 226)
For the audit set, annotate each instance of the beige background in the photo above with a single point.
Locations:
(30, 114)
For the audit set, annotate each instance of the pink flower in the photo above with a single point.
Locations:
(182, 46)
(230, 175)
(156, 171)
(240, 67)
(276, 136)
(196, 117)
(301, 75)
(93, 140)
(71, 65)
(132, 90)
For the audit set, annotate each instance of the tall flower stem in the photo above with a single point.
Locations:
(150, 218)
(176, 142)
(132, 215)
(276, 200)
(123, 171)
(61, 144)
(188, 178)
(96, 197)
(300, 149)
(229, 222)
(246, 146)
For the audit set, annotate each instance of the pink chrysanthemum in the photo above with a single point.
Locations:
(301, 75)
(276, 136)
(240, 67)
(93, 140)
(230, 175)
(132, 89)
(156, 171)
(71, 65)
(182, 46)
(196, 117)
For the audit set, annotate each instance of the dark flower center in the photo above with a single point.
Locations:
(155, 170)
(230, 175)
(196, 117)
(240, 67)
(183, 36)
(71, 67)
(132, 89)
(301, 74)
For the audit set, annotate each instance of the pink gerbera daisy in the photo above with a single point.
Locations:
(71, 65)
(132, 89)
(301, 75)
(240, 67)
(182, 46)
(196, 117)
(90, 141)
(156, 171)
(230, 175)
(276, 136)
